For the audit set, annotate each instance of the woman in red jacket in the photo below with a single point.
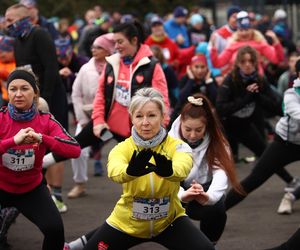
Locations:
(25, 136)
(247, 36)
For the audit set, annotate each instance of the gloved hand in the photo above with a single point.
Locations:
(139, 163)
(163, 165)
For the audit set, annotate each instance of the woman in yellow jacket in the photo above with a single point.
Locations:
(150, 165)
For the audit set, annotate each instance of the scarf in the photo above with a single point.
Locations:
(20, 28)
(247, 78)
(153, 142)
(158, 39)
(193, 145)
(20, 115)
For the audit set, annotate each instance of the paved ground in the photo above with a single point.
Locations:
(253, 224)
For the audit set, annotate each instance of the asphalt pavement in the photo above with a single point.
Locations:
(251, 225)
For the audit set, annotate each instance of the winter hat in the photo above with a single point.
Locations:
(279, 14)
(195, 19)
(156, 20)
(199, 58)
(25, 75)
(232, 9)
(243, 20)
(63, 47)
(106, 42)
(127, 18)
(7, 43)
(180, 11)
(28, 3)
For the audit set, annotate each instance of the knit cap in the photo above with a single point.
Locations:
(199, 58)
(243, 20)
(195, 19)
(180, 11)
(106, 42)
(28, 3)
(232, 9)
(156, 20)
(279, 14)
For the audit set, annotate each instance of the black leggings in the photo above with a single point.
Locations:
(249, 135)
(87, 138)
(180, 235)
(278, 154)
(292, 243)
(38, 207)
(212, 218)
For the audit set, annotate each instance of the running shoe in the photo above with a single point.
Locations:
(62, 208)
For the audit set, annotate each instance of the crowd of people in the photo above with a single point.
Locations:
(187, 94)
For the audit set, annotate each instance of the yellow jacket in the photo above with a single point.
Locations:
(148, 187)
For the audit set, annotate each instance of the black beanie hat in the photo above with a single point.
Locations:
(232, 9)
(25, 75)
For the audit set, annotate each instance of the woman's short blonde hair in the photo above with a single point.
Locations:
(145, 95)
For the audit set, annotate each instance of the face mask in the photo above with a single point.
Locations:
(20, 28)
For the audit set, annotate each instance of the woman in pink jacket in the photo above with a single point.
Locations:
(247, 36)
(25, 136)
(131, 68)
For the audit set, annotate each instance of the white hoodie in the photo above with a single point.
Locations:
(200, 171)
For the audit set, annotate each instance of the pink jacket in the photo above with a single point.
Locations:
(118, 119)
(21, 165)
(274, 53)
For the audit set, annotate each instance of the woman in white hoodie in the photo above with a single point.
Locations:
(203, 191)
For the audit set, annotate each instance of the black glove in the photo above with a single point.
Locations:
(139, 163)
(163, 165)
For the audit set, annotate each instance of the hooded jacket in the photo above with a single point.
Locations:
(288, 127)
(147, 187)
(200, 171)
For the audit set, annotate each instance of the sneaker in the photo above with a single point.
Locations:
(293, 185)
(98, 169)
(77, 191)
(249, 159)
(62, 208)
(66, 247)
(8, 216)
(286, 204)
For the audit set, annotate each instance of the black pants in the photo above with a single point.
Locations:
(278, 154)
(181, 235)
(293, 243)
(249, 134)
(87, 138)
(38, 207)
(212, 218)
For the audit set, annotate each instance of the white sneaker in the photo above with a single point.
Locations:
(286, 204)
